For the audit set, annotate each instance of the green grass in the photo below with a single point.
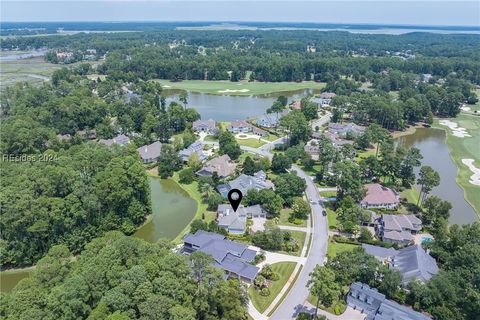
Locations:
(23, 69)
(286, 292)
(192, 190)
(466, 148)
(249, 88)
(335, 248)
(328, 194)
(331, 218)
(411, 195)
(283, 219)
(284, 270)
(210, 138)
(271, 137)
(300, 237)
(253, 143)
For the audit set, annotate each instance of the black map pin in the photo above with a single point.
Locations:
(234, 197)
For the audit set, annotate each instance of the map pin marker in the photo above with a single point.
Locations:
(234, 197)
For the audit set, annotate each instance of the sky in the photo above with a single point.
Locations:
(403, 12)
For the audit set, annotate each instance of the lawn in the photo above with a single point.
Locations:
(335, 248)
(283, 219)
(241, 88)
(466, 148)
(284, 270)
(300, 237)
(328, 194)
(253, 143)
(331, 218)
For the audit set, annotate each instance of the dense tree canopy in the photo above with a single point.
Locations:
(69, 198)
(119, 277)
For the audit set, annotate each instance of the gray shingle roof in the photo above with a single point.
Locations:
(201, 124)
(368, 300)
(245, 183)
(121, 140)
(151, 151)
(221, 165)
(415, 263)
(229, 255)
(197, 147)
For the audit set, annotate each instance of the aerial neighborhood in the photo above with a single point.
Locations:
(118, 173)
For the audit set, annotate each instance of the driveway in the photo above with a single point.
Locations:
(349, 314)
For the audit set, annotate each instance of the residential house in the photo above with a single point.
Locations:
(242, 126)
(327, 95)
(151, 152)
(236, 222)
(239, 126)
(221, 165)
(398, 228)
(377, 307)
(379, 196)
(209, 126)
(64, 137)
(233, 257)
(312, 148)
(344, 130)
(244, 183)
(413, 262)
(196, 147)
(271, 120)
(121, 140)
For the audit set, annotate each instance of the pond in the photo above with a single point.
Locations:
(229, 108)
(172, 211)
(431, 143)
(8, 280)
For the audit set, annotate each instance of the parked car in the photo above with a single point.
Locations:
(324, 213)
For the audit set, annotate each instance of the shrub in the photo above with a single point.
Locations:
(265, 292)
(274, 277)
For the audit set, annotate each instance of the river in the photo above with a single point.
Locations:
(229, 108)
(431, 143)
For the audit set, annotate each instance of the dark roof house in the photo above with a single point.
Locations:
(196, 147)
(244, 183)
(398, 228)
(121, 140)
(342, 129)
(271, 120)
(233, 257)
(413, 262)
(150, 153)
(377, 307)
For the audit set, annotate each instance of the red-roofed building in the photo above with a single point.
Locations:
(379, 196)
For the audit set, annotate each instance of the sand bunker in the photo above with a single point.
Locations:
(466, 108)
(475, 178)
(456, 130)
(233, 90)
(165, 86)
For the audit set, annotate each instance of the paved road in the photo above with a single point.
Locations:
(294, 301)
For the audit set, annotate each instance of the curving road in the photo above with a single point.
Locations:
(295, 299)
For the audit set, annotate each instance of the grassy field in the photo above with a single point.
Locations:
(300, 237)
(253, 143)
(331, 218)
(466, 148)
(328, 194)
(241, 88)
(32, 70)
(335, 248)
(284, 270)
(283, 219)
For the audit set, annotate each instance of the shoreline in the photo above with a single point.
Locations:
(458, 163)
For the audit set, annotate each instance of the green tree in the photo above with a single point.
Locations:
(228, 145)
(186, 176)
(323, 286)
(168, 162)
(428, 179)
(301, 209)
(280, 163)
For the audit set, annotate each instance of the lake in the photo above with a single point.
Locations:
(172, 211)
(229, 108)
(431, 143)
(8, 280)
